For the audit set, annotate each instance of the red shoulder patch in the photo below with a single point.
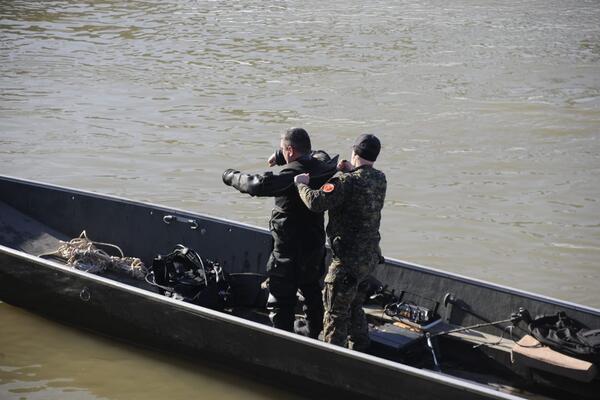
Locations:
(328, 187)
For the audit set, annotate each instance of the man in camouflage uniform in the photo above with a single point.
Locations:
(354, 198)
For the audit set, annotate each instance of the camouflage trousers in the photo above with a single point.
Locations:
(345, 292)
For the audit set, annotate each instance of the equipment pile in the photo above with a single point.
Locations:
(184, 275)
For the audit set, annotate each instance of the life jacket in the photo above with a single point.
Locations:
(567, 335)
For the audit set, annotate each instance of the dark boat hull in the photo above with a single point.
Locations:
(148, 319)
(152, 320)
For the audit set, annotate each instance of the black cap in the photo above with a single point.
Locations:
(367, 146)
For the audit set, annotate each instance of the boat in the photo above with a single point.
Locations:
(465, 347)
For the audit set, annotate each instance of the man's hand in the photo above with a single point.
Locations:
(344, 166)
(302, 178)
(272, 160)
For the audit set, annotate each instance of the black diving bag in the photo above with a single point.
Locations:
(567, 335)
(184, 275)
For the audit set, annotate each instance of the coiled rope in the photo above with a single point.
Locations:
(83, 254)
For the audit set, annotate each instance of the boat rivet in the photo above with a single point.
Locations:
(72, 197)
(85, 294)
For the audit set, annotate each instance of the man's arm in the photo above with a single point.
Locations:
(267, 184)
(329, 196)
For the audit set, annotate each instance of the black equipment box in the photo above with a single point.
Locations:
(403, 344)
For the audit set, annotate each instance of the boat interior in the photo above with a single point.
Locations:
(417, 316)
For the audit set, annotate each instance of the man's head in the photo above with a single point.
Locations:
(295, 143)
(367, 148)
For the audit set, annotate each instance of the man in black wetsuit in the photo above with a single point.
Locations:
(297, 259)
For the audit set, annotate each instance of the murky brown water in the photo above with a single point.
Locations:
(489, 114)
(40, 359)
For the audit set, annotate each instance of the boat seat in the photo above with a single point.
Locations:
(529, 352)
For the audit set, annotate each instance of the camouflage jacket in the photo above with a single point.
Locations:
(354, 201)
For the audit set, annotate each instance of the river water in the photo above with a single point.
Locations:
(489, 115)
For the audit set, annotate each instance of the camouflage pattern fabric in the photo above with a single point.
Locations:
(354, 201)
(343, 298)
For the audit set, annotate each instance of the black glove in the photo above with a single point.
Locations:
(228, 176)
(279, 158)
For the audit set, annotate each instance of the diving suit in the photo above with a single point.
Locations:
(297, 261)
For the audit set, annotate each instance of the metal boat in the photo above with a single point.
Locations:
(443, 359)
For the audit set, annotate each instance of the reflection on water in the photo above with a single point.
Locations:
(489, 115)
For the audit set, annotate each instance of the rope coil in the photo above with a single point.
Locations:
(83, 254)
